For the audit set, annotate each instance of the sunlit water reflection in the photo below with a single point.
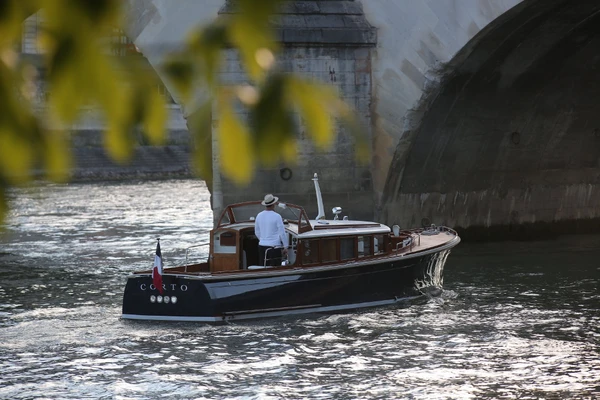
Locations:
(516, 320)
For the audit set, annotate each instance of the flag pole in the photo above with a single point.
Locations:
(157, 268)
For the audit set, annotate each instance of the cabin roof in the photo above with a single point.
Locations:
(341, 228)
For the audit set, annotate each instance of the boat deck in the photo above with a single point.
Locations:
(426, 241)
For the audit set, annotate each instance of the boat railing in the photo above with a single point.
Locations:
(448, 230)
(418, 237)
(435, 229)
(412, 237)
(284, 258)
(187, 250)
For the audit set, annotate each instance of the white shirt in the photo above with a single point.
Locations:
(269, 229)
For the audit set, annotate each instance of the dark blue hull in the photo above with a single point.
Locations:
(266, 293)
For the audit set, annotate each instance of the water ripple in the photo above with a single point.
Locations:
(508, 325)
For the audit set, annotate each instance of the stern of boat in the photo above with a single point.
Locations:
(182, 299)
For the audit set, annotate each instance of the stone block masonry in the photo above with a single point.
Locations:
(91, 161)
(148, 162)
(339, 172)
(328, 42)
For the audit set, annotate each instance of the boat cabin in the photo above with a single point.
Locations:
(234, 245)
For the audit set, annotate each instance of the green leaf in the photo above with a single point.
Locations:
(3, 204)
(66, 95)
(258, 11)
(312, 101)
(110, 88)
(16, 155)
(118, 141)
(252, 42)
(99, 16)
(155, 117)
(200, 126)
(235, 156)
(205, 48)
(57, 155)
(271, 120)
(98, 12)
(12, 14)
(180, 72)
(289, 151)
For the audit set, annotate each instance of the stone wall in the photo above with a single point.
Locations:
(92, 162)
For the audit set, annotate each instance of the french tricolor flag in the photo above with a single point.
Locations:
(157, 270)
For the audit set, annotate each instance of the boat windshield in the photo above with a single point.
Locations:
(247, 212)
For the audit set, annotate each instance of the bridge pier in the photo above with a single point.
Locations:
(333, 45)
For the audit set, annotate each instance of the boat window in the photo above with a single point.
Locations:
(347, 249)
(328, 250)
(364, 246)
(304, 222)
(224, 219)
(378, 244)
(310, 251)
(227, 239)
(225, 242)
(246, 212)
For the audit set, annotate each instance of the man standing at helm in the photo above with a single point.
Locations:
(269, 229)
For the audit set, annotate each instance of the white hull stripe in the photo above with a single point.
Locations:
(269, 314)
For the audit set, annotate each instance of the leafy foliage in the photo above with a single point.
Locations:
(81, 72)
(273, 101)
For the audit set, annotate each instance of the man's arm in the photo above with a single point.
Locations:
(282, 234)
(257, 227)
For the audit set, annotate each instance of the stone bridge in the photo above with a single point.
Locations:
(482, 114)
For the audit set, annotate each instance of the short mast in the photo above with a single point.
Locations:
(319, 198)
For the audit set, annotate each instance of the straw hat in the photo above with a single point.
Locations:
(270, 200)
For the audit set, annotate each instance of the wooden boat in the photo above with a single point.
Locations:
(333, 265)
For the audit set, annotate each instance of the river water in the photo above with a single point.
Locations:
(516, 320)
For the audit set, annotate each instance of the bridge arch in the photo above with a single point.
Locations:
(510, 140)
